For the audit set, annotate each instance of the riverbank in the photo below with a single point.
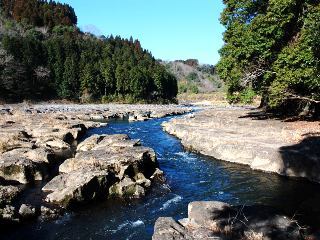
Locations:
(244, 135)
(40, 143)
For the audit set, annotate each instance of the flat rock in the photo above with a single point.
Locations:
(78, 187)
(242, 136)
(21, 169)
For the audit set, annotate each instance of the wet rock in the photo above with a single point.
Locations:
(27, 211)
(8, 194)
(78, 187)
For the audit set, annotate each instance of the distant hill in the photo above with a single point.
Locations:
(194, 77)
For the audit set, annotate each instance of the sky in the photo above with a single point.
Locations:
(170, 29)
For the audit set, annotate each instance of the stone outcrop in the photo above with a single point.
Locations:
(218, 220)
(106, 165)
(78, 187)
(238, 135)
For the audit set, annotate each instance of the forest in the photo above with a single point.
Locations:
(44, 55)
(272, 48)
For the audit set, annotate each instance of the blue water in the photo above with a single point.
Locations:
(190, 177)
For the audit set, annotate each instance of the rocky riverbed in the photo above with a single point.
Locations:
(41, 143)
(247, 136)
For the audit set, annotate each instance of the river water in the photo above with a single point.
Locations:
(190, 177)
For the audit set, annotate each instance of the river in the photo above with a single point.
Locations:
(190, 177)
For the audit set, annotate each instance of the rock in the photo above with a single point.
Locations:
(127, 188)
(14, 138)
(38, 155)
(21, 169)
(206, 213)
(61, 149)
(90, 143)
(8, 194)
(158, 176)
(167, 228)
(49, 213)
(79, 186)
(237, 135)
(142, 180)
(27, 211)
(218, 220)
(8, 215)
(119, 160)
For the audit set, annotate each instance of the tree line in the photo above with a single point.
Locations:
(62, 62)
(272, 48)
(39, 12)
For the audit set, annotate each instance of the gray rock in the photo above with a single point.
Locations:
(27, 211)
(20, 169)
(79, 186)
(167, 228)
(127, 188)
(49, 213)
(233, 135)
(205, 213)
(8, 215)
(218, 220)
(8, 194)
(60, 148)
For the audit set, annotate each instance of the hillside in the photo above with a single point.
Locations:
(44, 57)
(194, 77)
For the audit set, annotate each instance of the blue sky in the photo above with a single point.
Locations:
(170, 29)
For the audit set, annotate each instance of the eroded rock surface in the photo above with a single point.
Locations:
(106, 165)
(218, 220)
(239, 135)
(36, 139)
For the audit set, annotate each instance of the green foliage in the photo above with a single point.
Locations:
(65, 63)
(192, 77)
(39, 12)
(272, 48)
(187, 87)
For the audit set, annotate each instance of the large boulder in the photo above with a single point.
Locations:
(78, 186)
